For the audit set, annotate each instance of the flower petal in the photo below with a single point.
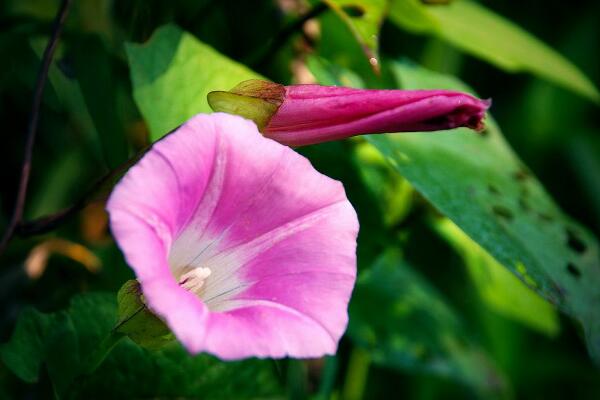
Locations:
(339, 112)
(278, 237)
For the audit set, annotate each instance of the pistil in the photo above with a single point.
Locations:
(194, 279)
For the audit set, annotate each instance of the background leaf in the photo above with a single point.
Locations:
(172, 373)
(62, 341)
(25, 351)
(502, 291)
(70, 99)
(93, 72)
(484, 34)
(364, 19)
(406, 324)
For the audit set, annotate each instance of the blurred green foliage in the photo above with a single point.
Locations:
(479, 31)
(465, 257)
(406, 324)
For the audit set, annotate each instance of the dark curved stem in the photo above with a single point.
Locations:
(98, 191)
(34, 117)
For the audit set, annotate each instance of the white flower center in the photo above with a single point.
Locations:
(194, 279)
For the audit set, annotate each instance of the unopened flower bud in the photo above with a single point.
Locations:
(298, 115)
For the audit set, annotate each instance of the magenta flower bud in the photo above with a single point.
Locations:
(298, 115)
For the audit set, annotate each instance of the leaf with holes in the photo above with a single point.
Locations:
(406, 324)
(173, 73)
(479, 183)
(364, 19)
(476, 30)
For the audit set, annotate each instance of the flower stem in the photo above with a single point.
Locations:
(297, 380)
(103, 350)
(357, 374)
(42, 77)
(328, 376)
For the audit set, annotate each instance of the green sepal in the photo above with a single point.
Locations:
(137, 321)
(253, 99)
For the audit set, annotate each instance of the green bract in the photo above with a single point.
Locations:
(137, 322)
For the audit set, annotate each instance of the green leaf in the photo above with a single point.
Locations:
(584, 156)
(393, 192)
(134, 372)
(364, 19)
(502, 291)
(479, 183)
(406, 324)
(62, 340)
(332, 159)
(70, 99)
(172, 74)
(95, 77)
(484, 34)
(24, 353)
(66, 341)
(62, 180)
(331, 74)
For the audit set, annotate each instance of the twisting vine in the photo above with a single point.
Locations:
(34, 116)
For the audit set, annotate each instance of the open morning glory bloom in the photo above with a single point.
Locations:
(238, 243)
(298, 115)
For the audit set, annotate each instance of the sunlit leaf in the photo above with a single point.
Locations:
(478, 182)
(406, 324)
(173, 73)
(484, 34)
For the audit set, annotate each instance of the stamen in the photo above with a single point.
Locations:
(195, 278)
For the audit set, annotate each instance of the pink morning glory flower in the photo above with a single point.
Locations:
(298, 115)
(238, 243)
